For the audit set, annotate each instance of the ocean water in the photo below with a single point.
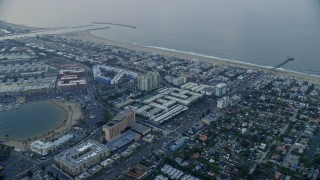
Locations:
(262, 32)
(30, 120)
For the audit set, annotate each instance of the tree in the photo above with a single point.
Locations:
(316, 159)
(29, 174)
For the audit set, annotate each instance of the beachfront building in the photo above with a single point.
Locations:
(42, 148)
(122, 120)
(81, 157)
(149, 81)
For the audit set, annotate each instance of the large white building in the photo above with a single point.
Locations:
(179, 81)
(43, 148)
(167, 103)
(100, 71)
(81, 157)
(221, 89)
(149, 81)
(223, 102)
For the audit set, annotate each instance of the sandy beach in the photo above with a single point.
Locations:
(87, 36)
(72, 115)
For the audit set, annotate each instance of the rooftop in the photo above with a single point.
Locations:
(80, 154)
(122, 140)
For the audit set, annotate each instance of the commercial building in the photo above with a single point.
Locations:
(140, 128)
(199, 88)
(149, 81)
(209, 119)
(180, 142)
(111, 75)
(71, 78)
(43, 148)
(81, 157)
(122, 120)
(122, 140)
(68, 70)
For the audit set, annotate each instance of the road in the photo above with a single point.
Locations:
(138, 156)
(92, 92)
(48, 164)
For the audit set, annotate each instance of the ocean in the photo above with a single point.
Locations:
(262, 32)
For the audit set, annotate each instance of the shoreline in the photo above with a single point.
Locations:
(67, 121)
(88, 36)
(21, 26)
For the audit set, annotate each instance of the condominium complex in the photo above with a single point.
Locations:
(26, 78)
(149, 81)
(223, 102)
(111, 75)
(122, 120)
(81, 157)
(221, 89)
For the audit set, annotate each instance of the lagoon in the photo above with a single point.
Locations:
(31, 120)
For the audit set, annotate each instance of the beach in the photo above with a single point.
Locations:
(87, 36)
(72, 115)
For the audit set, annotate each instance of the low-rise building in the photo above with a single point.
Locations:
(71, 78)
(42, 148)
(140, 128)
(209, 119)
(178, 144)
(122, 140)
